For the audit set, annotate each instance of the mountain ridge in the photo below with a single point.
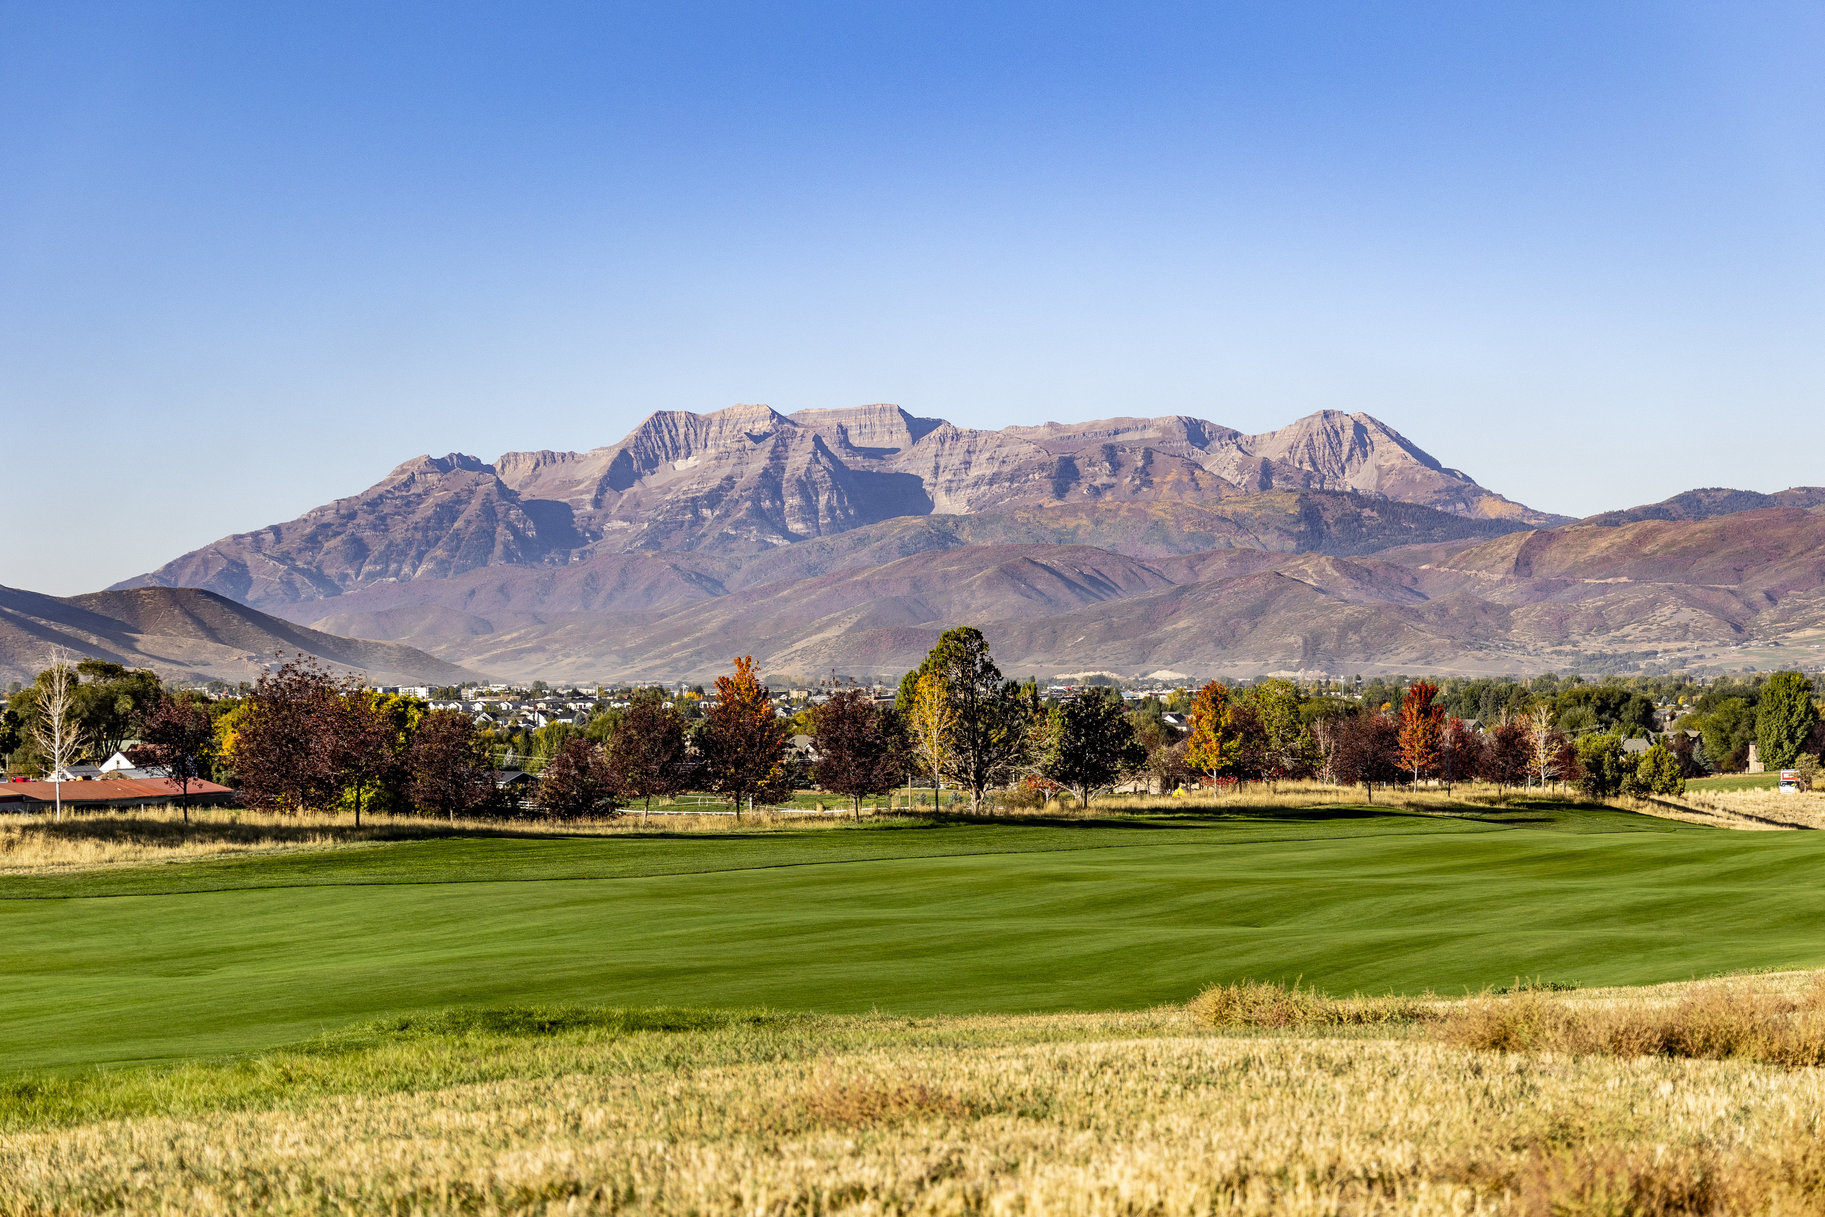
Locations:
(1702, 593)
(745, 480)
(193, 633)
(850, 539)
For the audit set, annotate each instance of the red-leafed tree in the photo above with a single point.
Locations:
(281, 749)
(578, 783)
(1505, 754)
(744, 741)
(861, 750)
(1460, 753)
(364, 744)
(646, 751)
(176, 738)
(1422, 725)
(449, 766)
(1367, 752)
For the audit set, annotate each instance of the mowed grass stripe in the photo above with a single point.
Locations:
(1427, 903)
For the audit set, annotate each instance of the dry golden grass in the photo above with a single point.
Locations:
(1257, 1004)
(1043, 1115)
(1776, 1020)
(36, 843)
(1298, 794)
(1719, 1020)
(1799, 810)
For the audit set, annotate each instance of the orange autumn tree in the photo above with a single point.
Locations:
(1213, 746)
(1422, 728)
(744, 741)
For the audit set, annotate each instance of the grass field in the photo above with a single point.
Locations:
(679, 1112)
(240, 953)
(915, 1016)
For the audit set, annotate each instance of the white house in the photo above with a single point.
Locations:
(118, 766)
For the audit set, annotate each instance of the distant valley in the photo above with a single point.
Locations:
(847, 539)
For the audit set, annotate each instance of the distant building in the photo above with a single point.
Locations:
(118, 766)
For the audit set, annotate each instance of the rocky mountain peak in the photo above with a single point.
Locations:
(747, 479)
(437, 466)
(867, 430)
(1352, 450)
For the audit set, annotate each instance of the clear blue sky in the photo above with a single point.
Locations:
(254, 255)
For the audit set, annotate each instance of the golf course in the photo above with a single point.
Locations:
(230, 955)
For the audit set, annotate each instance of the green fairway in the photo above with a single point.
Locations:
(228, 955)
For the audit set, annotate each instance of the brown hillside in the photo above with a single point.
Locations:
(186, 632)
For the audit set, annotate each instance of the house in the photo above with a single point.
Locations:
(1635, 747)
(118, 766)
(515, 781)
(804, 747)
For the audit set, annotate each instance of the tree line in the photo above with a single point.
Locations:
(303, 739)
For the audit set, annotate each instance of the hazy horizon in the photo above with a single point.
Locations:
(252, 259)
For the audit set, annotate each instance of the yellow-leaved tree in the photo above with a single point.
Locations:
(1214, 745)
(930, 722)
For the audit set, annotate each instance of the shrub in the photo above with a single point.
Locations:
(1600, 766)
(1659, 772)
(1253, 1003)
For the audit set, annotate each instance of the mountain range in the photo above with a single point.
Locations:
(848, 539)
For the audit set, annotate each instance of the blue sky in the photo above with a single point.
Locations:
(254, 255)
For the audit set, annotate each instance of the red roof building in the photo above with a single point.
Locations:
(109, 792)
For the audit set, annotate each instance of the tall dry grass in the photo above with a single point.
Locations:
(1805, 810)
(35, 843)
(1742, 1018)
(1259, 1004)
(1293, 795)
(1118, 1115)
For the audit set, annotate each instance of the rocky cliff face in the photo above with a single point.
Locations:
(747, 480)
